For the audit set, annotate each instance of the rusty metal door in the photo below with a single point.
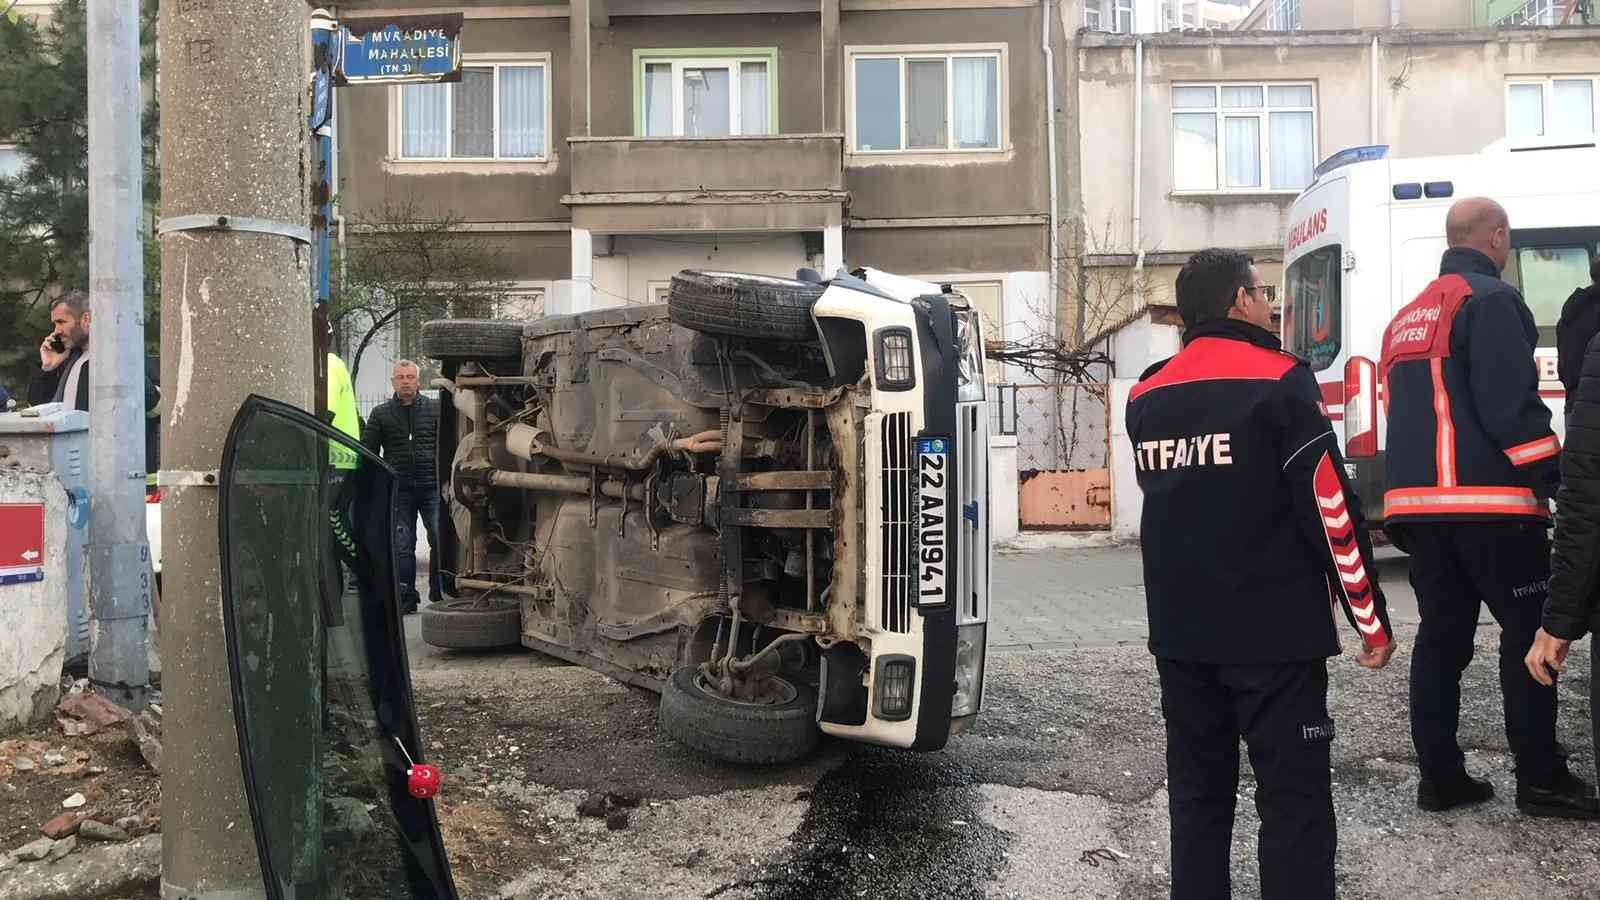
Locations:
(1063, 453)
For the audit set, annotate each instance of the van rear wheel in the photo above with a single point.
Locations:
(732, 731)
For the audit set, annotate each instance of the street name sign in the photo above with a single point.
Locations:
(399, 50)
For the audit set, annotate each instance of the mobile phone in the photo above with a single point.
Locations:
(57, 345)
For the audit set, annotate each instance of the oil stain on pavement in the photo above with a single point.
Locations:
(891, 824)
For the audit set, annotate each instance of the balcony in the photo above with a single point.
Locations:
(788, 182)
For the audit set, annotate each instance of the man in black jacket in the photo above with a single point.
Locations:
(1573, 607)
(1471, 465)
(1580, 321)
(1250, 532)
(404, 430)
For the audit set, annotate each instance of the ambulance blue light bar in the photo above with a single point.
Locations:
(1348, 156)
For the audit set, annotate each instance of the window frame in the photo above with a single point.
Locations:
(1262, 115)
(1092, 8)
(497, 61)
(905, 53)
(708, 57)
(1548, 84)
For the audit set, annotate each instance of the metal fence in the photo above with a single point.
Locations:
(1059, 427)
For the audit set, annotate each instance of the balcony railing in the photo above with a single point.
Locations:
(1548, 13)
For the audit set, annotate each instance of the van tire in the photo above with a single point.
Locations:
(743, 733)
(472, 624)
(747, 306)
(459, 340)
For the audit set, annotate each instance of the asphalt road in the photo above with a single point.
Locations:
(1066, 759)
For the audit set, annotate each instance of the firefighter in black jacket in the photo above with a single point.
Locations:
(1471, 465)
(1250, 532)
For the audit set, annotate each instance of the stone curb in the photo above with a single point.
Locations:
(102, 870)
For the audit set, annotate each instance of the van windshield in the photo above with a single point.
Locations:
(1311, 307)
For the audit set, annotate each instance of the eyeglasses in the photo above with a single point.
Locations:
(1268, 291)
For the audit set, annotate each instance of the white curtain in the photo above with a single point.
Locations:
(1195, 151)
(522, 111)
(707, 103)
(1293, 151)
(1526, 116)
(424, 128)
(658, 100)
(755, 99)
(877, 104)
(1572, 107)
(925, 104)
(1242, 151)
(1242, 96)
(473, 111)
(977, 102)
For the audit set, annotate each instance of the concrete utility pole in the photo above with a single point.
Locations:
(236, 312)
(119, 553)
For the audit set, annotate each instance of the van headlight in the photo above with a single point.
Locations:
(970, 647)
(969, 354)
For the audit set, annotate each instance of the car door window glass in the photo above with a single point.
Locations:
(321, 688)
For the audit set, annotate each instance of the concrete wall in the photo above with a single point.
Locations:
(33, 616)
(608, 165)
(637, 262)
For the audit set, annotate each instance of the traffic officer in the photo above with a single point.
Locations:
(1250, 531)
(1471, 465)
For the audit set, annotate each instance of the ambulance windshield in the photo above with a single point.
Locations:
(1311, 307)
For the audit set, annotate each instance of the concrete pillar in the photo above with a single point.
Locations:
(236, 309)
(832, 249)
(832, 69)
(580, 24)
(581, 296)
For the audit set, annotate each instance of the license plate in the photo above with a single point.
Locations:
(933, 479)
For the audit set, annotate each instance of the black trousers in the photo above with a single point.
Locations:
(1281, 711)
(1456, 568)
(409, 506)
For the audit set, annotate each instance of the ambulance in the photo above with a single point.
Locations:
(1366, 237)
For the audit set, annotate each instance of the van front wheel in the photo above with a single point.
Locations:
(695, 715)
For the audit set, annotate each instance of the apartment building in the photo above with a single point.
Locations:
(1205, 138)
(606, 144)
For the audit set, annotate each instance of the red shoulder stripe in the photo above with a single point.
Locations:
(1217, 359)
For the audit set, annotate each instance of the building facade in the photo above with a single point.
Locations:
(1205, 139)
(607, 144)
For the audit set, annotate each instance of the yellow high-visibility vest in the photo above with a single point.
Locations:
(342, 403)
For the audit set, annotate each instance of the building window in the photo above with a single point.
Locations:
(1115, 16)
(497, 111)
(1243, 137)
(1285, 16)
(1546, 107)
(705, 93)
(922, 101)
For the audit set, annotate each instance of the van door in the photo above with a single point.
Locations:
(1547, 265)
(317, 656)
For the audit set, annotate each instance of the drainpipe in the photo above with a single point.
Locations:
(1375, 95)
(1138, 153)
(1050, 131)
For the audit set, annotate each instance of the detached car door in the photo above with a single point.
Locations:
(321, 687)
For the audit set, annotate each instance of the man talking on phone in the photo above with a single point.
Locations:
(64, 358)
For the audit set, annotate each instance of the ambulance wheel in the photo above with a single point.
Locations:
(748, 306)
(746, 733)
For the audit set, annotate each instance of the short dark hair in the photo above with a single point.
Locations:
(1208, 284)
(76, 302)
(1594, 270)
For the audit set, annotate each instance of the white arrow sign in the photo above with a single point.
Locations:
(30, 555)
